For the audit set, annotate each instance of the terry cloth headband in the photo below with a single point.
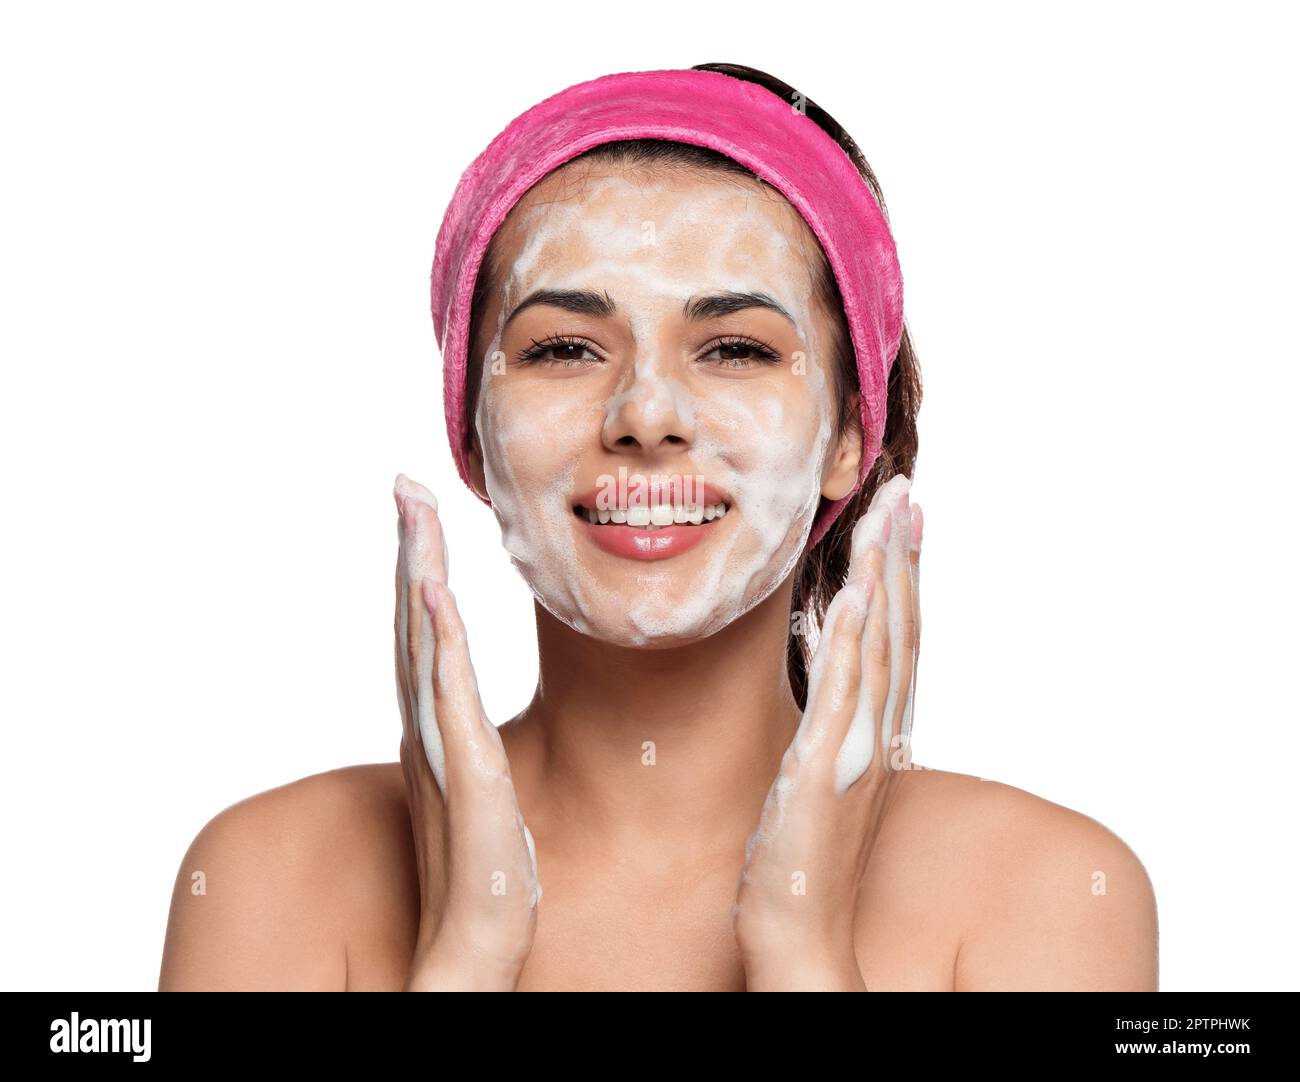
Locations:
(742, 120)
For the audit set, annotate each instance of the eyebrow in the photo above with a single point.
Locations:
(587, 302)
(724, 304)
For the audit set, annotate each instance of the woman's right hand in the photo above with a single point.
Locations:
(476, 859)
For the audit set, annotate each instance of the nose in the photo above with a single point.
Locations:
(651, 415)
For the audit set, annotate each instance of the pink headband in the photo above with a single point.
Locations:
(742, 120)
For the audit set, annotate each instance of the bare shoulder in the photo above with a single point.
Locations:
(1055, 899)
(268, 887)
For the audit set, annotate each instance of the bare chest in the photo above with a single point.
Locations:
(626, 932)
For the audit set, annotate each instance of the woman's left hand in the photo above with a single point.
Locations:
(796, 905)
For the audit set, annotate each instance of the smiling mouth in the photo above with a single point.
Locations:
(666, 517)
(655, 517)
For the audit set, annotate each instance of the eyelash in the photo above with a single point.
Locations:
(767, 354)
(536, 353)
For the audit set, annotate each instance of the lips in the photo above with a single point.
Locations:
(651, 523)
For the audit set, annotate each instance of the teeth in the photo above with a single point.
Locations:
(659, 515)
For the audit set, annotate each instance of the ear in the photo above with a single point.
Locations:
(477, 477)
(845, 459)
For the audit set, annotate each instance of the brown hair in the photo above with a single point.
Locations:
(823, 568)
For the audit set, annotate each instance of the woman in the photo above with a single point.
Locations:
(691, 404)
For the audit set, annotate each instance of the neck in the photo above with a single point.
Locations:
(685, 740)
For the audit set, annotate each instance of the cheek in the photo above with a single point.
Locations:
(531, 442)
(777, 434)
(777, 450)
(799, 426)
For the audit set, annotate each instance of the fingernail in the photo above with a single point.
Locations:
(918, 526)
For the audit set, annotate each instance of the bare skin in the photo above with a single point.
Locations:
(927, 880)
(971, 885)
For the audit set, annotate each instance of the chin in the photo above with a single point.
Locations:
(629, 619)
(655, 604)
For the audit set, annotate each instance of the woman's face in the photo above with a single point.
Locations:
(629, 340)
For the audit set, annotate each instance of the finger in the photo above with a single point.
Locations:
(904, 631)
(872, 527)
(422, 651)
(856, 747)
(898, 585)
(401, 639)
(914, 559)
(421, 554)
(836, 673)
(404, 487)
(452, 706)
(857, 755)
(871, 538)
(532, 859)
(475, 765)
(869, 531)
(427, 548)
(833, 682)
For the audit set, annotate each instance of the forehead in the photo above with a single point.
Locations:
(690, 224)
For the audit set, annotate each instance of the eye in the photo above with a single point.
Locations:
(742, 353)
(558, 351)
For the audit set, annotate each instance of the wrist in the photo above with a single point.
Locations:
(807, 968)
(444, 967)
(459, 976)
(456, 978)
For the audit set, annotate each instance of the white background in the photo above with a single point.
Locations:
(218, 224)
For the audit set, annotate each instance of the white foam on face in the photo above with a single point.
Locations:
(652, 245)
